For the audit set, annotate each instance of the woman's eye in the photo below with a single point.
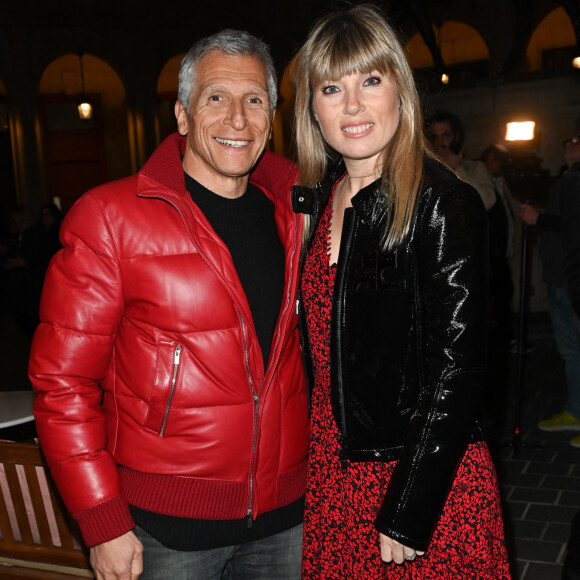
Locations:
(329, 89)
(372, 81)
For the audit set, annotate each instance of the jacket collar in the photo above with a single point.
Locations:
(369, 202)
(163, 171)
(164, 167)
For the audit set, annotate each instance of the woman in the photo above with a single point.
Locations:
(393, 313)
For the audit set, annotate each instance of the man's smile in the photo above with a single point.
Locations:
(231, 142)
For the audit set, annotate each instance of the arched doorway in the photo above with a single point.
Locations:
(167, 93)
(418, 53)
(8, 198)
(80, 154)
(463, 50)
(552, 43)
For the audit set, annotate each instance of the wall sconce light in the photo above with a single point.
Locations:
(520, 131)
(444, 79)
(576, 62)
(85, 107)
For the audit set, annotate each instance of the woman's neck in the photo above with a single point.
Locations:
(359, 175)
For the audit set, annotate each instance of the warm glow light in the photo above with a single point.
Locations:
(576, 62)
(521, 131)
(85, 111)
(445, 79)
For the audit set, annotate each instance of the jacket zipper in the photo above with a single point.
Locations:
(256, 397)
(339, 304)
(176, 360)
(287, 304)
(300, 307)
(249, 514)
(256, 400)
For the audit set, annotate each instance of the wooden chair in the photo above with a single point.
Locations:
(39, 540)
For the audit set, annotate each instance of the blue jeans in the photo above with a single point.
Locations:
(277, 557)
(567, 332)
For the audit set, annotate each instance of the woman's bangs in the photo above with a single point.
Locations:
(343, 56)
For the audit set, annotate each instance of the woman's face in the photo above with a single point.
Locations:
(358, 115)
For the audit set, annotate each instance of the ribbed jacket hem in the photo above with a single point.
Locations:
(206, 499)
(185, 497)
(105, 521)
(292, 485)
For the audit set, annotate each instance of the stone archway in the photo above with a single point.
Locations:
(167, 84)
(80, 154)
(552, 43)
(8, 197)
(458, 42)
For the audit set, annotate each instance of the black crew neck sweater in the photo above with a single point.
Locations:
(247, 226)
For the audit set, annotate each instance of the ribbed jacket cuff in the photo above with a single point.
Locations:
(105, 521)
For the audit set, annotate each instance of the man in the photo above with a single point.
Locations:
(570, 207)
(446, 133)
(171, 400)
(560, 251)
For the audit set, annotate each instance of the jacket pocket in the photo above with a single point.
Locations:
(164, 386)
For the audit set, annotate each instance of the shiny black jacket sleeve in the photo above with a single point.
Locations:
(450, 254)
(569, 187)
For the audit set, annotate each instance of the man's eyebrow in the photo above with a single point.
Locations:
(226, 88)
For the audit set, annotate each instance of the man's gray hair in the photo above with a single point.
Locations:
(234, 42)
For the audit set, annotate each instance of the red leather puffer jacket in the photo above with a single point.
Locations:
(150, 380)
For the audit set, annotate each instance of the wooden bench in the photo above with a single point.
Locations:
(38, 538)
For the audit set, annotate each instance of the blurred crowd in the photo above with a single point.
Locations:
(27, 243)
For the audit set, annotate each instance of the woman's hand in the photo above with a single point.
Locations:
(391, 550)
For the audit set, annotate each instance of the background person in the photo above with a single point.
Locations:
(559, 247)
(570, 206)
(447, 135)
(501, 249)
(394, 313)
(171, 400)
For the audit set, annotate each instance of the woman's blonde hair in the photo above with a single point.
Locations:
(360, 40)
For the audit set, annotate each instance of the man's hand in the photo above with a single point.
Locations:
(391, 550)
(452, 160)
(118, 559)
(529, 214)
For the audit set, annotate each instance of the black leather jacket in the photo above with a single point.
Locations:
(408, 342)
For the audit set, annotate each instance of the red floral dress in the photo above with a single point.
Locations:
(340, 540)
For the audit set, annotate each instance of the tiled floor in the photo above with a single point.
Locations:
(540, 476)
(540, 486)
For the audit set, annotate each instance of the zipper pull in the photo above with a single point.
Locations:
(297, 304)
(177, 355)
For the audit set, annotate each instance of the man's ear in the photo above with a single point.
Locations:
(181, 116)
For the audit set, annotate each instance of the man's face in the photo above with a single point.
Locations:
(441, 136)
(494, 165)
(228, 122)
